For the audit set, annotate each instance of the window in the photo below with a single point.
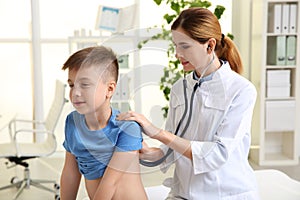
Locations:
(59, 19)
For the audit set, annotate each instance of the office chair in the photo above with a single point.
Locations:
(17, 152)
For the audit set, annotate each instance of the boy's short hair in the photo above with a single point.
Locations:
(99, 56)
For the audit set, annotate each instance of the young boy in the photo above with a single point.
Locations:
(103, 150)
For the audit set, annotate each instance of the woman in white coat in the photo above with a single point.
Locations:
(211, 155)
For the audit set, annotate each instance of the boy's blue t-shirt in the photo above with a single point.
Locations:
(94, 149)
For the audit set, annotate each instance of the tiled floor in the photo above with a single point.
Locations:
(50, 168)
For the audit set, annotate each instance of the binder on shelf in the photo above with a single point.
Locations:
(280, 50)
(121, 106)
(291, 50)
(125, 106)
(276, 50)
(124, 81)
(285, 18)
(274, 25)
(123, 61)
(117, 94)
(293, 18)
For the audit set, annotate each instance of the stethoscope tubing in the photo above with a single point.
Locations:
(197, 85)
(162, 159)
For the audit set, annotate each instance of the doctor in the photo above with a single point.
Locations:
(210, 156)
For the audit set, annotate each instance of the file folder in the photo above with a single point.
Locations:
(123, 61)
(285, 18)
(125, 107)
(274, 25)
(117, 94)
(276, 50)
(293, 18)
(124, 80)
(280, 50)
(291, 50)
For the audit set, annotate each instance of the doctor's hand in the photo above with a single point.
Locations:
(148, 128)
(150, 153)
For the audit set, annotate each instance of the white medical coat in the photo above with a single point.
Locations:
(220, 135)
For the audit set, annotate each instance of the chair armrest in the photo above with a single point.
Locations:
(32, 131)
(14, 123)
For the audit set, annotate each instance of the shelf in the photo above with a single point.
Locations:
(279, 132)
(280, 82)
(97, 39)
(280, 34)
(281, 66)
(281, 1)
(280, 99)
(277, 159)
(271, 159)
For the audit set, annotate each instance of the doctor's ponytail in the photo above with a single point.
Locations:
(228, 51)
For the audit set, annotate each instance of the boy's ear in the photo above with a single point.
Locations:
(111, 87)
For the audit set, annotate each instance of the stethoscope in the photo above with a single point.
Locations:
(196, 86)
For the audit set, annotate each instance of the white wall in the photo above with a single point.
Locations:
(57, 24)
(249, 46)
(16, 66)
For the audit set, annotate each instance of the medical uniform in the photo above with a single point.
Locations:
(220, 135)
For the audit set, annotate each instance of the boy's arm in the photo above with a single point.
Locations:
(120, 163)
(70, 178)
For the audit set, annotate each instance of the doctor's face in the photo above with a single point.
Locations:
(191, 54)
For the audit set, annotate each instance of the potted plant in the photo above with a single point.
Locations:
(172, 72)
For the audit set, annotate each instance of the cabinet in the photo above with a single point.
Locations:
(279, 86)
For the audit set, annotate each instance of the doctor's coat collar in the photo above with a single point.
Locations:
(215, 88)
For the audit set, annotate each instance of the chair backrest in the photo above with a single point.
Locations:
(56, 107)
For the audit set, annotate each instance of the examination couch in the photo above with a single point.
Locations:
(272, 184)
